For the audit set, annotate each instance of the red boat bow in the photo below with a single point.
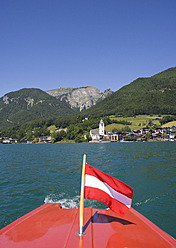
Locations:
(51, 226)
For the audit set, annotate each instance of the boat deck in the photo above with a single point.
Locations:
(51, 226)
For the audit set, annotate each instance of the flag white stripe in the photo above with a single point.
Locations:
(91, 181)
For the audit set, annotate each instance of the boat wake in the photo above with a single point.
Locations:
(144, 202)
(75, 201)
(65, 202)
(72, 202)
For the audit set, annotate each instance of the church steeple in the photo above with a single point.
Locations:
(101, 128)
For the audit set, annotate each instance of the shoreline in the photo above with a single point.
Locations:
(90, 142)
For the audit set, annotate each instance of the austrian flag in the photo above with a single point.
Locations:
(102, 187)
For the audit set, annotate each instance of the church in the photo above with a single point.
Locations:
(101, 134)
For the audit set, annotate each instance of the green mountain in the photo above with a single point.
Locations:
(30, 104)
(153, 95)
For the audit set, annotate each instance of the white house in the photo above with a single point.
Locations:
(95, 134)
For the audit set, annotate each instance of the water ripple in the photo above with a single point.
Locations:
(34, 174)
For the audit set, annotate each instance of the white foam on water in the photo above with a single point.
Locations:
(72, 202)
(144, 202)
(65, 202)
(75, 201)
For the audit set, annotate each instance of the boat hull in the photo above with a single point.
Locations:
(52, 226)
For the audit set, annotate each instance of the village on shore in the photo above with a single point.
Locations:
(102, 136)
(156, 134)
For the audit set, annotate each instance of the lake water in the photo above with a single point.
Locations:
(33, 174)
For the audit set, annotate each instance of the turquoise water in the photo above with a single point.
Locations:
(33, 174)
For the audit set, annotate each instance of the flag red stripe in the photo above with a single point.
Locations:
(94, 182)
(99, 195)
(111, 181)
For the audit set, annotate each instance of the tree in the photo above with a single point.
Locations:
(29, 134)
(79, 138)
(164, 135)
(147, 136)
(130, 139)
(59, 136)
(88, 137)
(167, 119)
(126, 129)
(114, 130)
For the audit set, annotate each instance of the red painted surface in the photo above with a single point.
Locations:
(51, 226)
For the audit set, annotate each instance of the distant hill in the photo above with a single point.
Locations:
(80, 98)
(153, 95)
(30, 104)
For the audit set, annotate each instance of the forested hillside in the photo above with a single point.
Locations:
(154, 95)
(30, 104)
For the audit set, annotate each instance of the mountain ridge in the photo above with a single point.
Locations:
(150, 95)
(80, 98)
(30, 104)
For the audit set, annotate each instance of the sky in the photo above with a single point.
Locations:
(51, 44)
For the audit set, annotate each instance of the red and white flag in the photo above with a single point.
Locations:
(109, 190)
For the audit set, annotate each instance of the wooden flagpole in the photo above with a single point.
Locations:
(81, 210)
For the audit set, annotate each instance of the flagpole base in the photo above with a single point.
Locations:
(80, 233)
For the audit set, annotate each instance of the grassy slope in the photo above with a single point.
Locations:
(169, 124)
(143, 119)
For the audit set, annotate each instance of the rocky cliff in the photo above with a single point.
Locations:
(81, 97)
